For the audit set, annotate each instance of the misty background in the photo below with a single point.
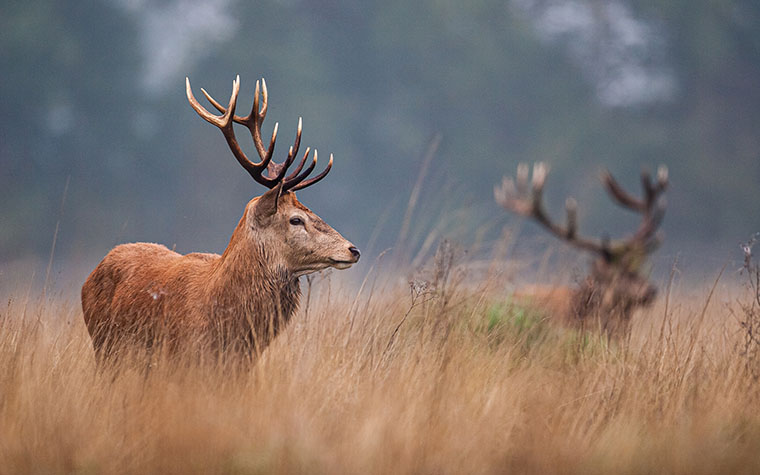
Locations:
(98, 145)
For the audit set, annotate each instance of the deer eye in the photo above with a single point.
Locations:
(296, 221)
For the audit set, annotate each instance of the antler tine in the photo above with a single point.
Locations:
(652, 191)
(522, 178)
(278, 169)
(213, 101)
(649, 225)
(652, 206)
(219, 121)
(662, 176)
(295, 178)
(298, 169)
(311, 181)
(297, 141)
(295, 181)
(253, 123)
(506, 195)
(514, 196)
(264, 99)
(620, 195)
(224, 122)
(647, 186)
(256, 117)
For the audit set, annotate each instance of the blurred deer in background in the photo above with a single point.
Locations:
(142, 292)
(616, 284)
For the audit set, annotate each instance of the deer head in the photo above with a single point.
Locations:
(277, 224)
(616, 284)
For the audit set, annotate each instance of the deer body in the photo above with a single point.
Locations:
(594, 303)
(555, 302)
(145, 290)
(142, 292)
(615, 285)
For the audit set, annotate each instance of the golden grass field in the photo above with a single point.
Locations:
(386, 379)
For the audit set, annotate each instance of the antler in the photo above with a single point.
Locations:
(514, 195)
(651, 206)
(275, 171)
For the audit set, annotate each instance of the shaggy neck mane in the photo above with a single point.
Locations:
(252, 288)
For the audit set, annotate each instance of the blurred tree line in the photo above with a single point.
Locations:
(96, 134)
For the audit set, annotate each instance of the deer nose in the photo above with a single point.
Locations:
(354, 252)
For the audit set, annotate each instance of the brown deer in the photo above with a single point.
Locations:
(616, 284)
(144, 293)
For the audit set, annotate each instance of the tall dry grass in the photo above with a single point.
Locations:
(440, 376)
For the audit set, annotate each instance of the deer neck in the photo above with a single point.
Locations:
(585, 299)
(252, 286)
(596, 296)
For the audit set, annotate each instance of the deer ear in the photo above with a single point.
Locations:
(266, 206)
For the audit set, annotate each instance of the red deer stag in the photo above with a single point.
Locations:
(141, 292)
(615, 286)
